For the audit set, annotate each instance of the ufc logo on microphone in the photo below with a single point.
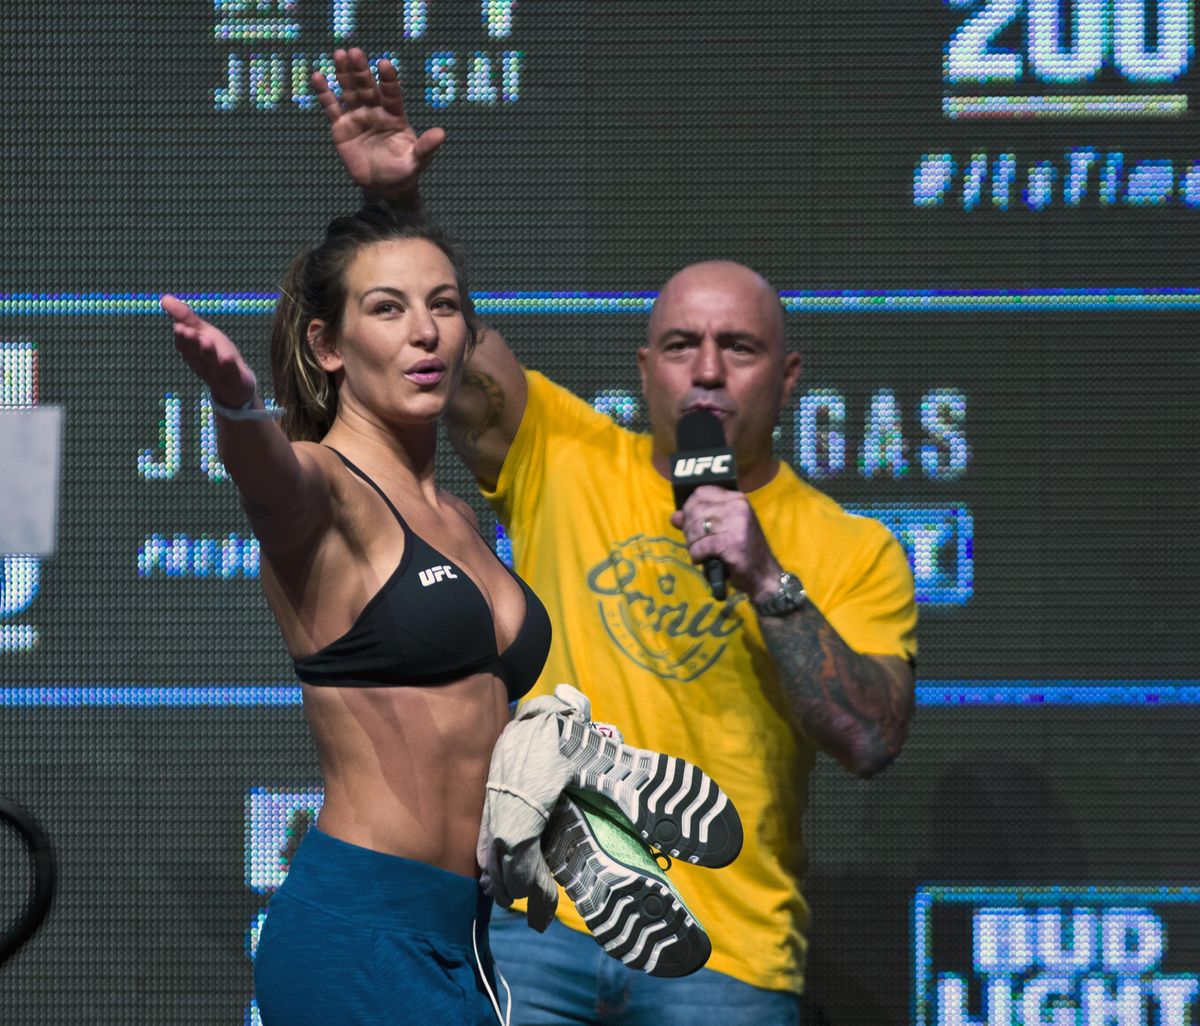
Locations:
(694, 466)
(435, 574)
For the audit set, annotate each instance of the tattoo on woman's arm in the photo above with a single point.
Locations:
(492, 396)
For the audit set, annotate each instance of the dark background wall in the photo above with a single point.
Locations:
(1032, 332)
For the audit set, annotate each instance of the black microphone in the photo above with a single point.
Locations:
(703, 459)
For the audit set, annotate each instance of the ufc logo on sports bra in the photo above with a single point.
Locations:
(693, 466)
(435, 574)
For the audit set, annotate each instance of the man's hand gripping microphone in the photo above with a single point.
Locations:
(703, 458)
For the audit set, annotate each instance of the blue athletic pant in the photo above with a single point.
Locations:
(564, 978)
(358, 937)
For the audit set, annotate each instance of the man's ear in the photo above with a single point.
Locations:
(322, 348)
(792, 366)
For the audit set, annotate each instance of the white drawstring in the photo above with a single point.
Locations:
(507, 1016)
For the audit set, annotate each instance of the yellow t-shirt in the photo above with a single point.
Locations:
(637, 630)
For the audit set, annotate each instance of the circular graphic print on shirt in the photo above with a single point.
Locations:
(656, 606)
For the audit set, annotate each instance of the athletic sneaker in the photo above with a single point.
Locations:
(673, 804)
(617, 886)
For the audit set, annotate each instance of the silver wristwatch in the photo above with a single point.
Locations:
(789, 597)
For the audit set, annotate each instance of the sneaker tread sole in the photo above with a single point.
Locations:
(675, 806)
(634, 914)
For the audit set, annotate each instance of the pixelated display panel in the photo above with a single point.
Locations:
(981, 215)
(1009, 403)
(1023, 484)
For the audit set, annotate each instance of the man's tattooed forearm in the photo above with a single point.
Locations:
(853, 706)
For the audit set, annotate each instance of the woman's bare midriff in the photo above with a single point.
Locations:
(405, 767)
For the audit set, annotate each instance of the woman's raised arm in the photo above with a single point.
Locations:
(282, 485)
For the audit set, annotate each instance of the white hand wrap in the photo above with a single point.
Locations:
(527, 775)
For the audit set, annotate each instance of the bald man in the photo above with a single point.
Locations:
(812, 649)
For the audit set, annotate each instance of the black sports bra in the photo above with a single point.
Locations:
(428, 624)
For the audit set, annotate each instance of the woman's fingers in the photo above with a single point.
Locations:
(179, 311)
(354, 76)
(330, 104)
(428, 143)
(390, 95)
(208, 351)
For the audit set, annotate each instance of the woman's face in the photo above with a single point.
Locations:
(403, 340)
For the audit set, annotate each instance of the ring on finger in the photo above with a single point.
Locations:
(707, 526)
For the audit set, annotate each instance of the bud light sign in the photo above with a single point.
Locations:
(1056, 956)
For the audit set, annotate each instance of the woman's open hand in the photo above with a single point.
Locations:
(210, 353)
(382, 152)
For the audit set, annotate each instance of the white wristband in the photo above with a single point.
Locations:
(247, 411)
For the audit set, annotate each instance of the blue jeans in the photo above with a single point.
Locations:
(564, 978)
